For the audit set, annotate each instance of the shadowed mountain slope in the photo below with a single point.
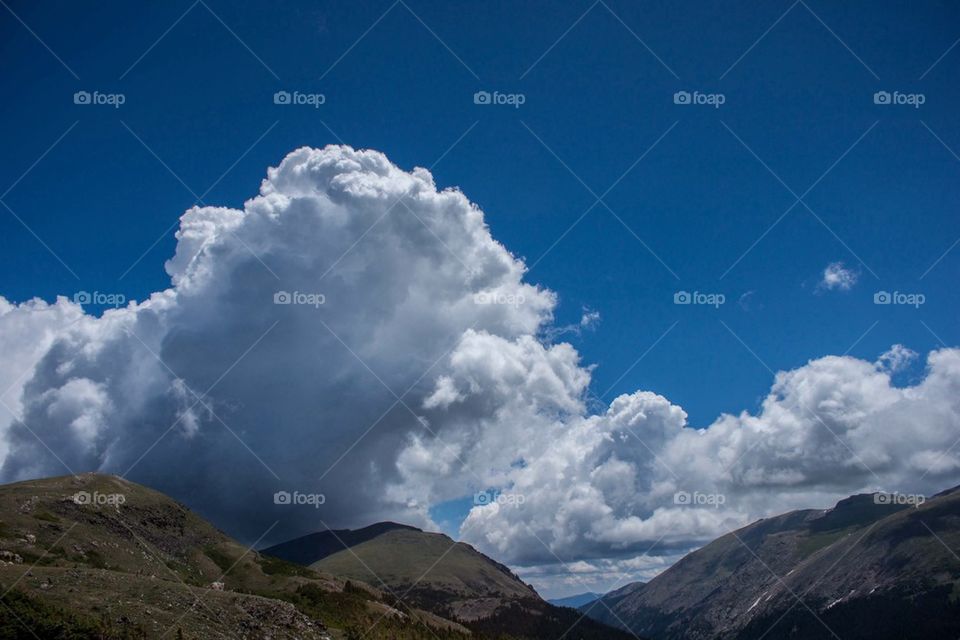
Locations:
(863, 569)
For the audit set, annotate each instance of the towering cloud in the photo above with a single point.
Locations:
(355, 332)
(294, 350)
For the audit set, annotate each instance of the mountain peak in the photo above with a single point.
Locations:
(388, 525)
(856, 510)
(316, 546)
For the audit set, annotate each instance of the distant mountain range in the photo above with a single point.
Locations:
(866, 569)
(577, 600)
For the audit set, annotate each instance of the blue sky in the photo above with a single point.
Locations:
(598, 99)
(694, 198)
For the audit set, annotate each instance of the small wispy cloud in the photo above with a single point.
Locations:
(897, 358)
(837, 277)
(589, 319)
(588, 322)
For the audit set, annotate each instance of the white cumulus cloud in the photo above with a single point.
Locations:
(606, 484)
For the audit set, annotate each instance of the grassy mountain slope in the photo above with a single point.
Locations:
(403, 556)
(76, 563)
(861, 569)
(450, 579)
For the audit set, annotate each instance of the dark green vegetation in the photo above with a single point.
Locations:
(23, 617)
(861, 570)
(450, 579)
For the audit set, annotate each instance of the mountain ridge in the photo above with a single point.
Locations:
(315, 546)
(864, 556)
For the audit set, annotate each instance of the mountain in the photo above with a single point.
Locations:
(431, 566)
(575, 601)
(434, 573)
(868, 568)
(96, 556)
